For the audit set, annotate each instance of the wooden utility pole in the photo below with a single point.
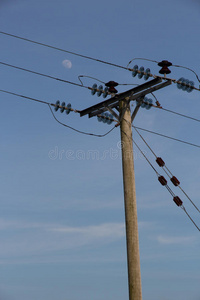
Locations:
(121, 103)
(132, 239)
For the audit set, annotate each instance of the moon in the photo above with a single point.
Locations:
(67, 63)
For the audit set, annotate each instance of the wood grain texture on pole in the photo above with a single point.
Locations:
(133, 255)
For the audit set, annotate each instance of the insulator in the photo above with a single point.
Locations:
(179, 84)
(162, 180)
(135, 70)
(190, 87)
(141, 74)
(164, 64)
(148, 72)
(99, 118)
(143, 104)
(110, 120)
(149, 103)
(105, 115)
(100, 88)
(160, 162)
(68, 109)
(63, 107)
(105, 93)
(57, 105)
(111, 86)
(175, 181)
(185, 85)
(178, 201)
(94, 89)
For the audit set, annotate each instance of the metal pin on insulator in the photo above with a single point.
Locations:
(162, 180)
(175, 181)
(160, 162)
(178, 201)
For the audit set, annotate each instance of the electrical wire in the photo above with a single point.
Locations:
(62, 50)
(177, 66)
(139, 128)
(90, 78)
(79, 131)
(176, 113)
(165, 169)
(41, 74)
(51, 104)
(92, 58)
(168, 137)
(87, 57)
(167, 187)
(81, 85)
(25, 97)
(141, 59)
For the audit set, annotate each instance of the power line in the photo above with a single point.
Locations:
(62, 50)
(168, 137)
(176, 113)
(166, 170)
(81, 85)
(79, 131)
(51, 104)
(25, 97)
(165, 183)
(139, 128)
(155, 61)
(42, 74)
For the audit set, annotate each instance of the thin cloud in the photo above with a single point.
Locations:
(170, 240)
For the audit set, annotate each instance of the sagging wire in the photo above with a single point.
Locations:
(79, 131)
(173, 65)
(52, 104)
(90, 78)
(155, 61)
(177, 66)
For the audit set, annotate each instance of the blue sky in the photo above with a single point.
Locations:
(62, 215)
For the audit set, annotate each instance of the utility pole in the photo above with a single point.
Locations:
(119, 106)
(132, 239)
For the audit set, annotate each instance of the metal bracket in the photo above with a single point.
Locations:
(135, 111)
(112, 112)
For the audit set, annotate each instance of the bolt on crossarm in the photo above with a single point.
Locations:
(132, 239)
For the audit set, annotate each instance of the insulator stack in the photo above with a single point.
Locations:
(164, 64)
(62, 107)
(160, 162)
(146, 103)
(162, 180)
(111, 87)
(178, 201)
(105, 118)
(141, 72)
(100, 90)
(175, 181)
(185, 85)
